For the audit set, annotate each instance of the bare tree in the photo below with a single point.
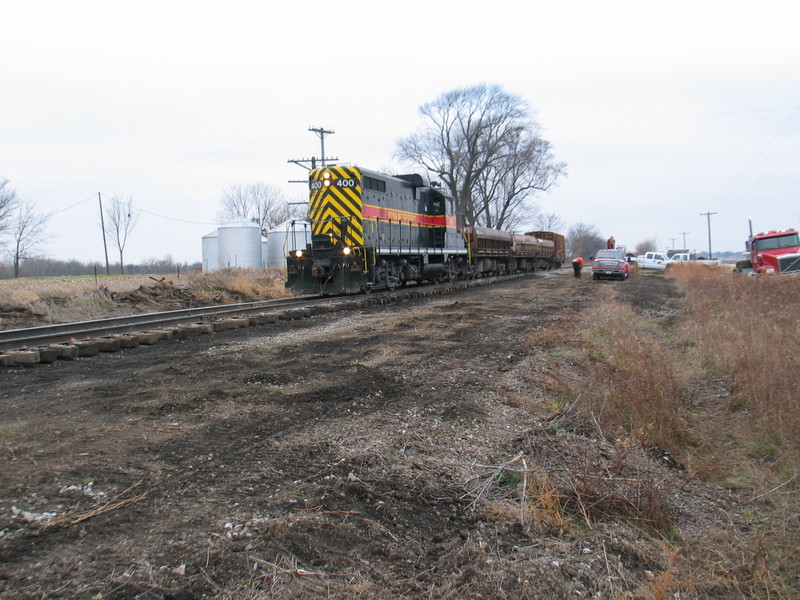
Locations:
(8, 202)
(548, 222)
(584, 240)
(27, 232)
(648, 245)
(122, 218)
(484, 145)
(260, 203)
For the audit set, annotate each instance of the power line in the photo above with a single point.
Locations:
(175, 218)
(751, 170)
(160, 216)
(672, 120)
(55, 212)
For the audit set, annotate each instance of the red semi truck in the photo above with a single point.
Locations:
(771, 252)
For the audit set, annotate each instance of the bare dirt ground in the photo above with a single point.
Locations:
(415, 450)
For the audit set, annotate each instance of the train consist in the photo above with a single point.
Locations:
(374, 231)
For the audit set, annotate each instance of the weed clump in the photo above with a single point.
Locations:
(635, 388)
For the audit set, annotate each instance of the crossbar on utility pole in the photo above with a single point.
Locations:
(708, 216)
(321, 133)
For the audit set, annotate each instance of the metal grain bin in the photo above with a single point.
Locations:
(240, 246)
(285, 238)
(211, 251)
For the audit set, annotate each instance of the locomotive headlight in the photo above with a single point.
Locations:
(346, 250)
(327, 177)
(298, 253)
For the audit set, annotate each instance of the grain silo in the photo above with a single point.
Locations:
(240, 245)
(211, 251)
(284, 238)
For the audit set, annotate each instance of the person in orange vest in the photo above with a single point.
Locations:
(577, 265)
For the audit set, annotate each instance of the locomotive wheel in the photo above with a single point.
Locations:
(450, 271)
(392, 278)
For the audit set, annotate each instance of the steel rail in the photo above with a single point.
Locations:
(34, 337)
(13, 339)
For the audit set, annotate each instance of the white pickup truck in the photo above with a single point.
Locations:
(685, 257)
(653, 260)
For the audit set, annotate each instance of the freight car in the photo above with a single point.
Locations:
(374, 231)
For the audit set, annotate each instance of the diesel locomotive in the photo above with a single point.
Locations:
(375, 231)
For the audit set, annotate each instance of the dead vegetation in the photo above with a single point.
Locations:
(708, 383)
(414, 451)
(40, 301)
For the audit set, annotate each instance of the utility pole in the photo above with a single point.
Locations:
(321, 133)
(708, 216)
(103, 228)
(684, 234)
(673, 243)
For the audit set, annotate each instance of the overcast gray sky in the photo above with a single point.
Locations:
(661, 111)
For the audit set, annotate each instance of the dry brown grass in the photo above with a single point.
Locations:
(30, 290)
(637, 388)
(525, 494)
(748, 331)
(65, 299)
(247, 284)
(740, 334)
(716, 385)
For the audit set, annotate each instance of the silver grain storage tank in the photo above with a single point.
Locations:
(211, 251)
(240, 245)
(285, 238)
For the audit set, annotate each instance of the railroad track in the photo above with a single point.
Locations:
(48, 343)
(15, 339)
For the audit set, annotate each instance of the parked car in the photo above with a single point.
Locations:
(610, 264)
